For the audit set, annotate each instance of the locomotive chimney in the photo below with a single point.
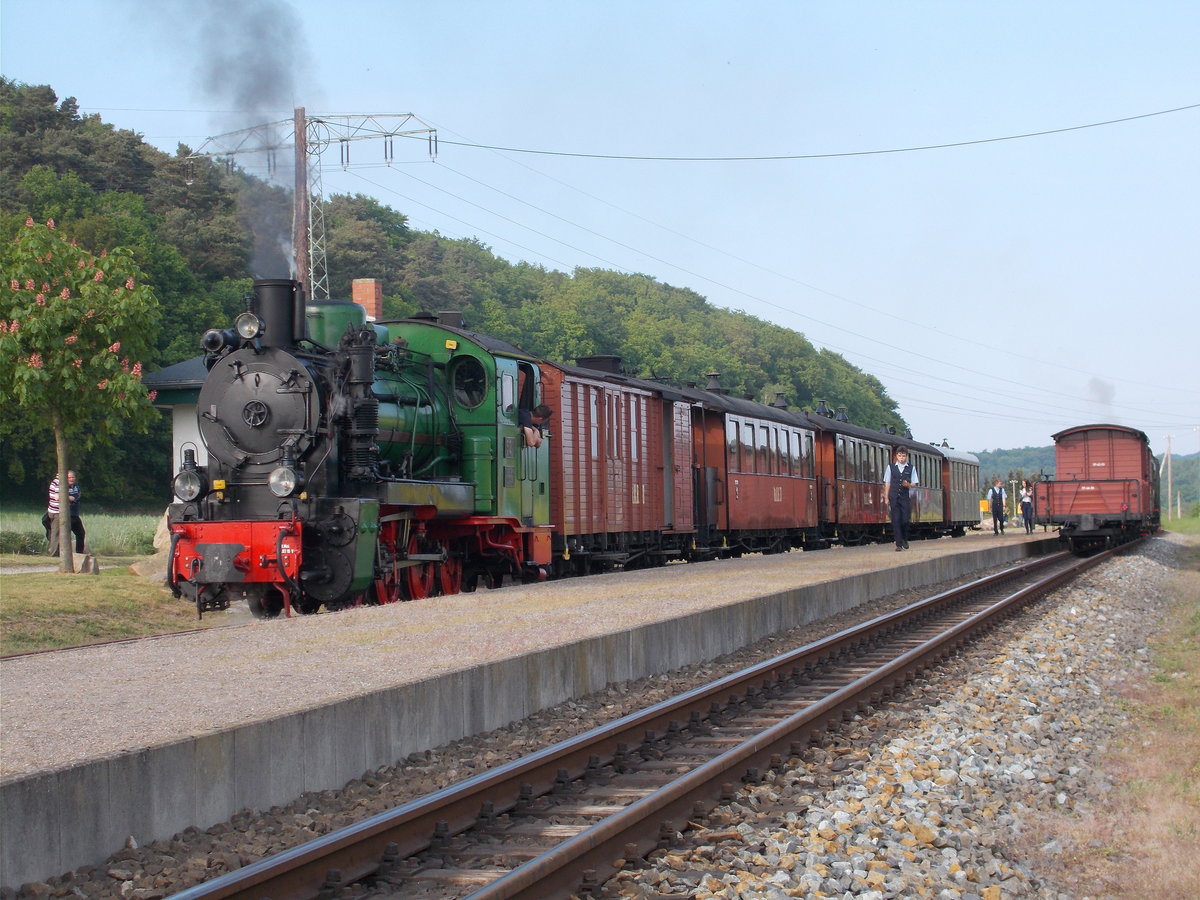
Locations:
(281, 307)
(779, 403)
(714, 382)
(450, 318)
(368, 293)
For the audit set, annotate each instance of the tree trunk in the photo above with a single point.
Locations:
(66, 562)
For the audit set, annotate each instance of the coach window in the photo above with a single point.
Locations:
(613, 402)
(508, 393)
(594, 414)
(732, 445)
(763, 448)
(634, 431)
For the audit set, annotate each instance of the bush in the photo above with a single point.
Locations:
(32, 543)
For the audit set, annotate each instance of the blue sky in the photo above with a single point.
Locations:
(1001, 291)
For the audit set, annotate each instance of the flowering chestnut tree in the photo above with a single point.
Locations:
(74, 329)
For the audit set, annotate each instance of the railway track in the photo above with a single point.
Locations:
(562, 820)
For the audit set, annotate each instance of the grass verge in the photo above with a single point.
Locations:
(46, 610)
(1137, 842)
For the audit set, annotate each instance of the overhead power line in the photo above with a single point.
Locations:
(789, 156)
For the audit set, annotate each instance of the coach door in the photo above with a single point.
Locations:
(677, 467)
(534, 468)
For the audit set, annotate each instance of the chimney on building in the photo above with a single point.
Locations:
(368, 293)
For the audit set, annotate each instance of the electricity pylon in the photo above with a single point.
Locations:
(309, 136)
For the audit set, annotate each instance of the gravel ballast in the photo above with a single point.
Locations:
(930, 796)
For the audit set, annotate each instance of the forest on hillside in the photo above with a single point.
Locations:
(195, 229)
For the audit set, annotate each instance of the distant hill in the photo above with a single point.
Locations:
(1015, 465)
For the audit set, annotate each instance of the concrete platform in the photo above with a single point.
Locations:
(500, 656)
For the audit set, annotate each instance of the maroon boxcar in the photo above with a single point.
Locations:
(621, 469)
(1105, 487)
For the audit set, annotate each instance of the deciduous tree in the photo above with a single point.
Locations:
(74, 329)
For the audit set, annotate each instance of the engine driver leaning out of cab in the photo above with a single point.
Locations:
(532, 423)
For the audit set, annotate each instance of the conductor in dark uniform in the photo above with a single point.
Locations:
(900, 476)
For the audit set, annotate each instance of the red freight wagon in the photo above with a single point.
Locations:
(1105, 487)
(621, 467)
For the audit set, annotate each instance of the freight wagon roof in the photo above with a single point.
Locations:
(708, 399)
(1141, 435)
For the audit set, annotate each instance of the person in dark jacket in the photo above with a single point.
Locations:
(899, 477)
(996, 497)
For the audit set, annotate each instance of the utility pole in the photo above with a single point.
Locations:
(1196, 428)
(309, 136)
(1170, 495)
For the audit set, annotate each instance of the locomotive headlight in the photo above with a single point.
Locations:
(188, 485)
(285, 480)
(248, 326)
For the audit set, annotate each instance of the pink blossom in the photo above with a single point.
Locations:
(15, 285)
(78, 363)
(50, 224)
(129, 284)
(35, 360)
(45, 287)
(72, 338)
(66, 293)
(41, 299)
(29, 284)
(3, 326)
(29, 222)
(103, 254)
(99, 275)
(102, 384)
(80, 265)
(153, 394)
(137, 370)
(14, 327)
(115, 347)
